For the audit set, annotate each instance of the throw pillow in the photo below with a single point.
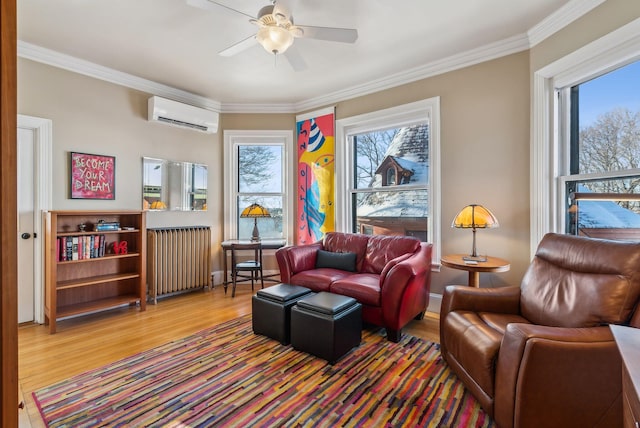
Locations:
(342, 261)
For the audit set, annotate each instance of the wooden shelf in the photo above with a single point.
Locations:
(96, 305)
(75, 287)
(98, 232)
(92, 280)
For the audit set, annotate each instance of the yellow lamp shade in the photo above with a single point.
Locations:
(255, 211)
(475, 217)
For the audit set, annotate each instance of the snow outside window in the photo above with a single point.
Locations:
(381, 205)
(388, 177)
(601, 178)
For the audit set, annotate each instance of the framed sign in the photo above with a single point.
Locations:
(93, 176)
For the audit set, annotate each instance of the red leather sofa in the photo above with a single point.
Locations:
(389, 275)
(542, 354)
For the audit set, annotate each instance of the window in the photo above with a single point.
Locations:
(601, 180)
(379, 202)
(388, 181)
(555, 160)
(391, 177)
(257, 163)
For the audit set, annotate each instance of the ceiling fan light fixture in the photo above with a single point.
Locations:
(274, 39)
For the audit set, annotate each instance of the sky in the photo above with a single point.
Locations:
(619, 88)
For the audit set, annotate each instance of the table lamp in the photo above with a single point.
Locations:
(475, 217)
(255, 211)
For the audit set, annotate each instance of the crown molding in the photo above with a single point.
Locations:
(550, 25)
(488, 52)
(80, 66)
(258, 108)
(560, 19)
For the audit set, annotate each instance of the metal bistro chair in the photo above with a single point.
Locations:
(240, 264)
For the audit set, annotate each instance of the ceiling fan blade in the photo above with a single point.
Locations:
(239, 47)
(295, 58)
(214, 5)
(344, 35)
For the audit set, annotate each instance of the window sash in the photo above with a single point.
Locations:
(396, 117)
(232, 140)
(568, 151)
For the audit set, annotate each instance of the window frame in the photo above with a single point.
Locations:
(232, 140)
(550, 139)
(568, 150)
(394, 117)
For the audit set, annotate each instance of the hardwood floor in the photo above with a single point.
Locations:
(92, 341)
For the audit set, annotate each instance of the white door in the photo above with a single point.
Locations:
(35, 145)
(26, 227)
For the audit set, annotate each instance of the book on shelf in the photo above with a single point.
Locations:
(80, 247)
(69, 247)
(62, 248)
(104, 226)
(87, 247)
(74, 248)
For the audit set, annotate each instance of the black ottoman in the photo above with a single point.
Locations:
(326, 325)
(271, 310)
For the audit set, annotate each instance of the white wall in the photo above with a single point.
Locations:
(93, 116)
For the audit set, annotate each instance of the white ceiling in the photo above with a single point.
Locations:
(170, 43)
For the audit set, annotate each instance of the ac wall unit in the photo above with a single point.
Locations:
(182, 115)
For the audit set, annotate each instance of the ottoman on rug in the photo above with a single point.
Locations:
(326, 325)
(271, 310)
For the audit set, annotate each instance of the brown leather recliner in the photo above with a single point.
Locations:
(542, 354)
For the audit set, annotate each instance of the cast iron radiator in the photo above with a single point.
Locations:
(178, 259)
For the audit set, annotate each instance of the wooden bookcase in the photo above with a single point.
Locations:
(74, 287)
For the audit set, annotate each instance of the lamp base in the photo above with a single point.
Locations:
(474, 258)
(255, 236)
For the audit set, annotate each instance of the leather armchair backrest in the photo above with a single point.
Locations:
(581, 282)
(381, 249)
(339, 242)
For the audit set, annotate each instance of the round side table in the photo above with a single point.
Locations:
(493, 264)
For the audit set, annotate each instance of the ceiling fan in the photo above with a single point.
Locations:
(276, 31)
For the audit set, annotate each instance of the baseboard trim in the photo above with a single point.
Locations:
(435, 302)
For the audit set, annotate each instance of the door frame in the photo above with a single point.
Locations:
(42, 187)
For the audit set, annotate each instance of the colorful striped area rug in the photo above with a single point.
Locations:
(227, 376)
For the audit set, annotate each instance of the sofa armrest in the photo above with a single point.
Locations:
(405, 283)
(567, 376)
(296, 258)
(465, 298)
(504, 300)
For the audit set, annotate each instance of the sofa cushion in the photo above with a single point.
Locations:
(381, 249)
(499, 322)
(318, 279)
(342, 261)
(338, 242)
(364, 287)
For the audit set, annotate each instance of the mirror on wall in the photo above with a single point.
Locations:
(173, 186)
